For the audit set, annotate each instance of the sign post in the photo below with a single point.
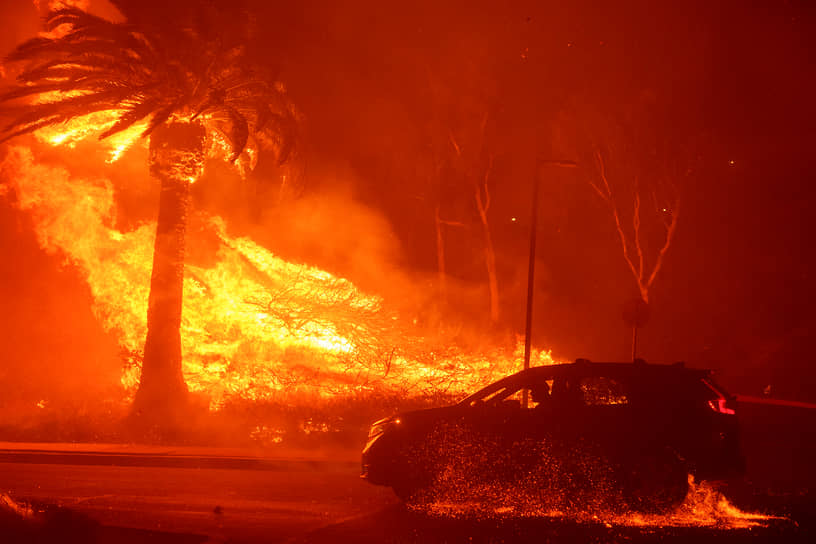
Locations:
(635, 314)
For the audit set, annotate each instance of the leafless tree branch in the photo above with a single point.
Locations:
(637, 243)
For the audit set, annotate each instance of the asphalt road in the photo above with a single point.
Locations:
(180, 498)
(225, 499)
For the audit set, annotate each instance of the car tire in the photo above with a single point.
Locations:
(407, 493)
(656, 483)
(412, 483)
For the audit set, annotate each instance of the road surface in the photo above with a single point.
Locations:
(222, 497)
(193, 496)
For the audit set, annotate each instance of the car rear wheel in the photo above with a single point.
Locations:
(657, 482)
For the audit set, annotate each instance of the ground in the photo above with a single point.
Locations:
(98, 493)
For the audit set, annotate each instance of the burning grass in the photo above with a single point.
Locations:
(284, 354)
(333, 422)
(255, 328)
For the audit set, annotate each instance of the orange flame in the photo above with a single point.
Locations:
(257, 327)
(87, 126)
(52, 5)
(254, 326)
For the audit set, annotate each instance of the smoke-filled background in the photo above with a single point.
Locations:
(404, 107)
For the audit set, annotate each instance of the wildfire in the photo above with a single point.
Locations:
(254, 326)
(82, 128)
(257, 327)
(56, 4)
(51, 5)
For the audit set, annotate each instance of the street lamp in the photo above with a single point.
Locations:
(540, 164)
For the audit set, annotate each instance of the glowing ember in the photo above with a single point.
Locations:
(477, 479)
(704, 506)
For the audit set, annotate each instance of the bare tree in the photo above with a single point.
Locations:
(461, 159)
(662, 211)
(481, 191)
(476, 167)
(636, 158)
(440, 225)
(431, 168)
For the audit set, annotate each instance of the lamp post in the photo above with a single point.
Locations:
(528, 332)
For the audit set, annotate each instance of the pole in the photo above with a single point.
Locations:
(634, 343)
(528, 330)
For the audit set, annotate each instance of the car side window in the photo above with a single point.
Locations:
(603, 391)
(495, 396)
(540, 394)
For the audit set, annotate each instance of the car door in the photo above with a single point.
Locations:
(607, 416)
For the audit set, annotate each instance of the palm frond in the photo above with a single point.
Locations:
(66, 51)
(159, 118)
(280, 131)
(33, 127)
(75, 106)
(132, 115)
(177, 61)
(28, 49)
(57, 72)
(89, 62)
(77, 18)
(238, 132)
(39, 89)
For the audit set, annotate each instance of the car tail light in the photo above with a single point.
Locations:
(721, 405)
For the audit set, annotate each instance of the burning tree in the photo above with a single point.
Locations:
(180, 73)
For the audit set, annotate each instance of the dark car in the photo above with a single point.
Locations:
(649, 426)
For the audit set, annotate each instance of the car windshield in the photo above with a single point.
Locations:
(495, 392)
(588, 390)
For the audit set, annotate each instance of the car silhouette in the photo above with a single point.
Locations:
(648, 426)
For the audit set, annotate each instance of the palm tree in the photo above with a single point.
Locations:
(185, 71)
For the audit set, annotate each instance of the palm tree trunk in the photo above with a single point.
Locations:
(176, 161)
